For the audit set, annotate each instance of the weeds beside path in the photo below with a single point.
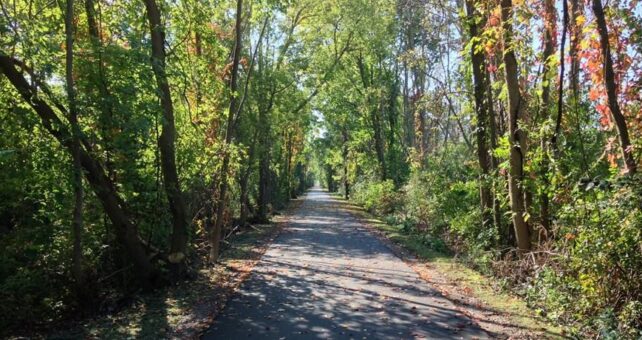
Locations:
(187, 309)
(477, 296)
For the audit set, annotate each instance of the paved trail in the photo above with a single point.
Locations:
(326, 277)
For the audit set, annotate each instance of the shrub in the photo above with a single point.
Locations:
(597, 283)
(379, 197)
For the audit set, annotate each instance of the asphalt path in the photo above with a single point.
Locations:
(327, 277)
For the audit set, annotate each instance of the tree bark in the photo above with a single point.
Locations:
(375, 120)
(630, 163)
(106, 99)
(264, 168)
(344, 153)
(244, 181)
(545, 105)
(576, 35)
(77, 219)
(560, 90)
(379, 143)
(516, 137)
(215, 233)
(102, 185)
(166, 141)
(481, 110)
(493, 132)
(288, 163)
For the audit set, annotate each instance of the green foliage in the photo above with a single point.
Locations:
(120, 118)
(372, 99)
(378, 197)
(599, 275)
(443, 198)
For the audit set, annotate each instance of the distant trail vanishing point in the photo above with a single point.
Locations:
(326, 277)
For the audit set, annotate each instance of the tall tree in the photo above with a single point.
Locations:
(481, 109)
(215, 233)
(516, 137)
(576, 11)
(167, 139)
(107, 99)
(545, 105)
(626, 147)
(77, 220)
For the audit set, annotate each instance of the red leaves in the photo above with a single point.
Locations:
(594, 93)
(605, 117)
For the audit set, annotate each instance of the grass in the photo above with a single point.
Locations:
(484, 289)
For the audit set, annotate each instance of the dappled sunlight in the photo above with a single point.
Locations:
(326, 277)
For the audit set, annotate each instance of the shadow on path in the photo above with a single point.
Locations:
(326, 277)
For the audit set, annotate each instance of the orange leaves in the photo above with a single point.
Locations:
(220, 32)
(244, 62)
(227, 70)
(611, 154)
(598, 96)
(594, 93)
(605, 117)
(493, 21)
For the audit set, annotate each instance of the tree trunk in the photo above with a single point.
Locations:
(244, 181)
(244, 199)
(106, 99)
(375, 118)
(215, 233)
(421, 131)
(77, 220)
(344, 152)
(379, 143)
(516, 136)
(481, 110)
(611, 90)
(493, 133)
(264, 168)
(545, 105)
(102, 185)
(288, 164)
(166, 141)
(576, 37)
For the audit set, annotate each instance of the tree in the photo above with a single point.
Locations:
(516, 136)
(167, 139)
(545, 105)
(77, 224)
(215, 233)
(481, 109)
(103, 187)
(630, 164)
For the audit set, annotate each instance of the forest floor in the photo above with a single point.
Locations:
(333, 275)
(185, 310)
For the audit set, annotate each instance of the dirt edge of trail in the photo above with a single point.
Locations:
(496, 323)
(239, 273)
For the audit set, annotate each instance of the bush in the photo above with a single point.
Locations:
(378, 197)
(597, 283)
